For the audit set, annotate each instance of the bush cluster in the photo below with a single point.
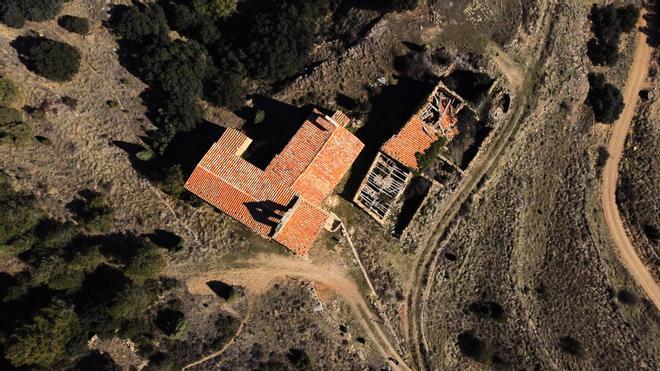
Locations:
(75, 286)
(269, 40)
(605, 99)
(607, 24)
(74, 24)
(12, 127)
(51, 59)
(8, 92)
(14, 13)
(427, 158)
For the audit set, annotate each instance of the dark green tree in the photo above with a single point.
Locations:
(43, 341)
(146, 263)
(135, 23)
(605, 99)
(51, 59)
(280, 36)
(14, 13)
(74, 24)
(607, 24)
(96, 214)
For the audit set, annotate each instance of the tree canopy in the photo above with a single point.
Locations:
(14, 13)
(607, 24)
(280, 36)
(51, 59)
(74, 24)
(43, 341)
(605, 99)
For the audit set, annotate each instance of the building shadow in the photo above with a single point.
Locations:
(266, 212)
(271, 132)
(391, 107)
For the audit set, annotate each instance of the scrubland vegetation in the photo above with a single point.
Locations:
(78, 284)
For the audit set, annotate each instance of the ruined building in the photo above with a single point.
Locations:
(396, 160)
(284, 201)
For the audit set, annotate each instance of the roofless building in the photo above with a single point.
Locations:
(396, 161)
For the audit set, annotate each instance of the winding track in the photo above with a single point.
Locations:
(636, 79)
(485, 161)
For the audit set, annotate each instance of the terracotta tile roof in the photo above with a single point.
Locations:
(329, 166)
(301, 150)
(300, 227)
(307, 169)
(226, 198)
(418, 136)
(411, 139)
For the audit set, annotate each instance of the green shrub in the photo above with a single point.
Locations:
(9, 115)
(427, 158)
(145, 155)
(72, 103)
(487, 310)
(43, 342)
(627, 297)
(51, 59)
(146, 263)
(112, 103)
(213, 9)
(74, 24)
(259, 116)
(173, 181)
(605, 99)
(8, 91)
(19, 214)
(132, 302)
(96, 214)
(14, 13)
(570, 345)
(172, 322)
(15, 133)
(62, 273)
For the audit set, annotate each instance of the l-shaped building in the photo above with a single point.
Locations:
(284, 201)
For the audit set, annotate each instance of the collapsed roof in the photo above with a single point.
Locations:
(283, 201)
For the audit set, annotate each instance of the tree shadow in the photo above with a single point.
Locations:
(221, 289)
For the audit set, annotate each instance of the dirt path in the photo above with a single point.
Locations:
(260, 273)
(636, 79)
(484, 162)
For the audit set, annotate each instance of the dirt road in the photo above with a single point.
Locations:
(261, 272)
(522, 83)
(636, 79)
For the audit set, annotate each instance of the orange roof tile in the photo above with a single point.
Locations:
(411, 139)
(307, 169)
(329, 166)
(300, 227)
